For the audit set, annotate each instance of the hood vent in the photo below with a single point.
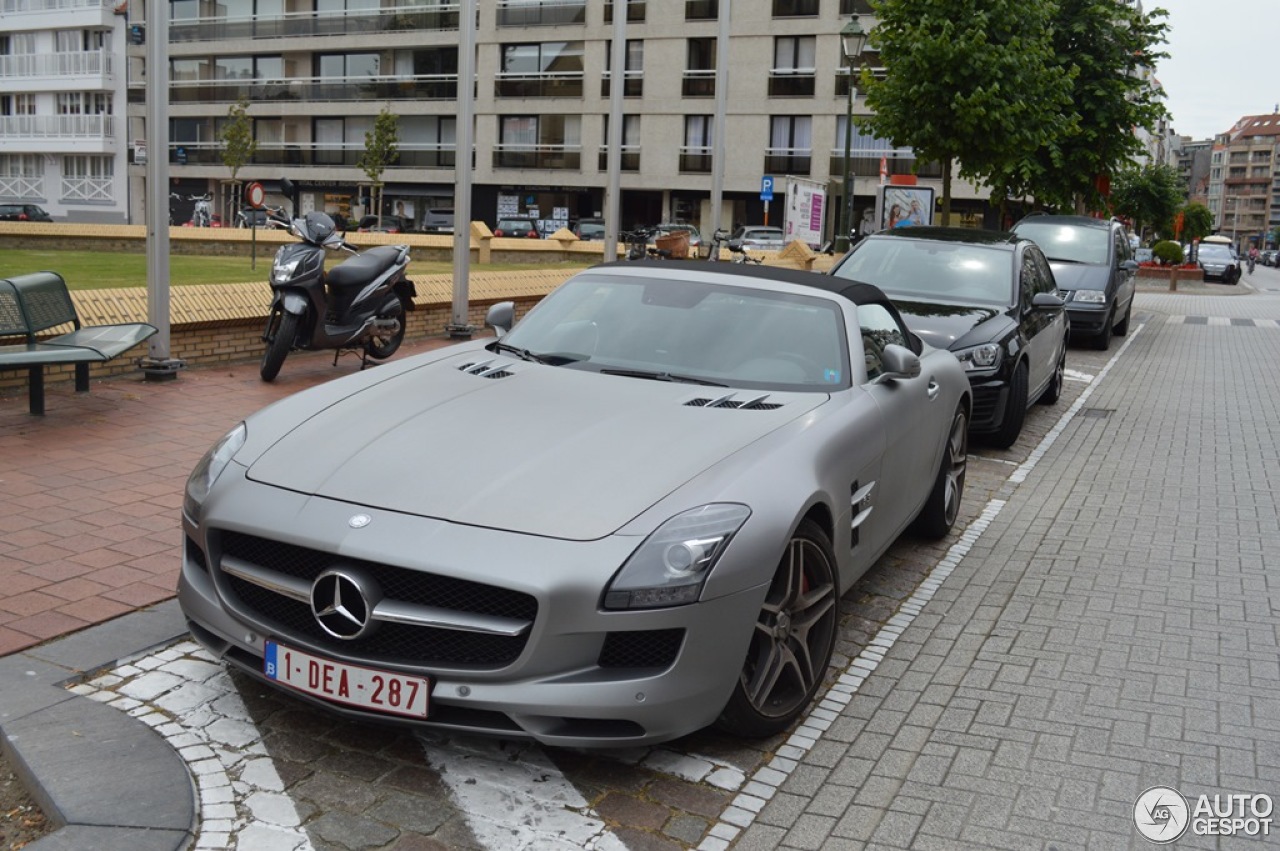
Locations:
(752, 403)
(486, 369)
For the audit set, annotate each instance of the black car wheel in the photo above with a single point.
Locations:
(792, 642)
(1102, 341)
(1123, 327)
(1053, 392)
(1015, 410)
(943, 507)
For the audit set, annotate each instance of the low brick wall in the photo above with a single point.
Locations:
(223, 323)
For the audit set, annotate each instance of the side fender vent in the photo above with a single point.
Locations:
(752, 403)
(487, 369)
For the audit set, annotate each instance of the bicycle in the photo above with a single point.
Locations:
(740, 254)
(637, 242)
(718, 241)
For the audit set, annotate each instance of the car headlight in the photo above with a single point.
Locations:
(210, 467)
(1090, 297)
(669, 568)
(281, 272)
(978, 358)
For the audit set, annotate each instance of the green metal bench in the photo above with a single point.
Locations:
(31, 304)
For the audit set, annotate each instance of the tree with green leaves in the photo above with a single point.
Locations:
(381, 149)
(1107, 48)
(1149, 195)
(1197, 222)
(238, 148)
(968, 81)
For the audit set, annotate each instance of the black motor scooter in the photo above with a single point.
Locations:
(359, 304)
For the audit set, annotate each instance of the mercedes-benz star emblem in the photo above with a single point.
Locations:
(359, 521)
(343, 602)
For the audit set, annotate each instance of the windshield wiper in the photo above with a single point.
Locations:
(550, 358)
(661, 376)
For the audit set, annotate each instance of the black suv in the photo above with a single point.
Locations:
(23, 213)
(1095, 270)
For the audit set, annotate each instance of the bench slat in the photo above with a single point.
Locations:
(107, 340)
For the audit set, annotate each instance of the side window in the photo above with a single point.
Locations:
(1121, 246)
(1028, 279)
(879, 329)
(1048, 284)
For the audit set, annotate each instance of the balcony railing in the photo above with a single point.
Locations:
(565, 157)
(791, 84)
(86, 189)
(695, 160)
(533, 13)
(699, 84)
(867, 164)
(57, 126)
(567, 84)
(11, 6)
(21, 186)
(632, 84)
(82, 64)
(421, 87)
(635, 11)
(293, 24)
(796, 161)
(630, 158)
(410, 156)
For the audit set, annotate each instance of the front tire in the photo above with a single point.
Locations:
(1123, 328)
(940, 512)
(792, 641)
(278, 346)
(1102, 341)
(383, 347)
(1015, 410)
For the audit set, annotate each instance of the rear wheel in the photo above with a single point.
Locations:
(792, 641)
(278, 346)
(1053, 392)
(381, 347)
(943, 507)
(1015, 410)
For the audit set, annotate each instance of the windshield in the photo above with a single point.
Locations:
(1216, 253)
(933, 270)
(1072, 243)
(675, 329)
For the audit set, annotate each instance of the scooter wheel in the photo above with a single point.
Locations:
(278, 346)
(383, 347)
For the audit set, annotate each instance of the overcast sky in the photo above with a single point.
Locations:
(1222, 62)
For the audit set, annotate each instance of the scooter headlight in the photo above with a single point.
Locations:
(281, 272)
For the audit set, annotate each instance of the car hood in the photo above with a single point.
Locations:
(1079, 276)
(949, 326)
(547, 451)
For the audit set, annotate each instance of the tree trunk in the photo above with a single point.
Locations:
(946, 192)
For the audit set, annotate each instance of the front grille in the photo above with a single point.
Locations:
(656, 648)
(391, 642)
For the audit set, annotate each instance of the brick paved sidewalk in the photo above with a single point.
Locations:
(1115, 628)
(90, 494)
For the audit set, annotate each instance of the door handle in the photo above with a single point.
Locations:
(933, 389)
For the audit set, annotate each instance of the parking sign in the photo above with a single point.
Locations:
(766, 188)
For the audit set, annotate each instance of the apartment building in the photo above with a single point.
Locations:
(317, 72)
(1244, 180)
(62, 95)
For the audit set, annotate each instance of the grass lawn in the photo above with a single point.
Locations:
(85, 270)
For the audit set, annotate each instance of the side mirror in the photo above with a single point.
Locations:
(898, 362)
(501, 317)
(1047, 301)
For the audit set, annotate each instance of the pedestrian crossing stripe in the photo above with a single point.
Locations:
(1223, 321)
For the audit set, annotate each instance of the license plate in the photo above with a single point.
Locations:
(350, 685)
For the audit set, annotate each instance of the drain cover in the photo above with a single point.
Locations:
(1097, 413)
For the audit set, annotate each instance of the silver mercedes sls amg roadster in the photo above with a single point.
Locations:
(626, 518)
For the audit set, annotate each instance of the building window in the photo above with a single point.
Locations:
(336, 66)
(790, 145)
(87, 178)
(630, 144)
(340, 141)
(21, 176)
(548, 69)
(84, 103)
(532, 13)
(856, 7)
(428, 141)
(633, 78)
(635, 11)
(793, 66)
(539, 141)
(795, 8)
(700, 68)
(699, 137)
(701, 10)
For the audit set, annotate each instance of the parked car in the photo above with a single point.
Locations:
(630, 516)
(1269, 257)
(388, 224)
(23, 213)
(760, 238)
(1095, 270)
(590, 229)
(1219, 262)
(990, 298)
(517, 227)
(437, 220)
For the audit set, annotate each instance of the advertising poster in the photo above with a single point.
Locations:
(904, 206)
(805, 211)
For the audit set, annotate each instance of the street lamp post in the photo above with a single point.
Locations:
(852, 41)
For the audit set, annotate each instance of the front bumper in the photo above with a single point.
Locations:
(1087, 320)
(580, 676)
